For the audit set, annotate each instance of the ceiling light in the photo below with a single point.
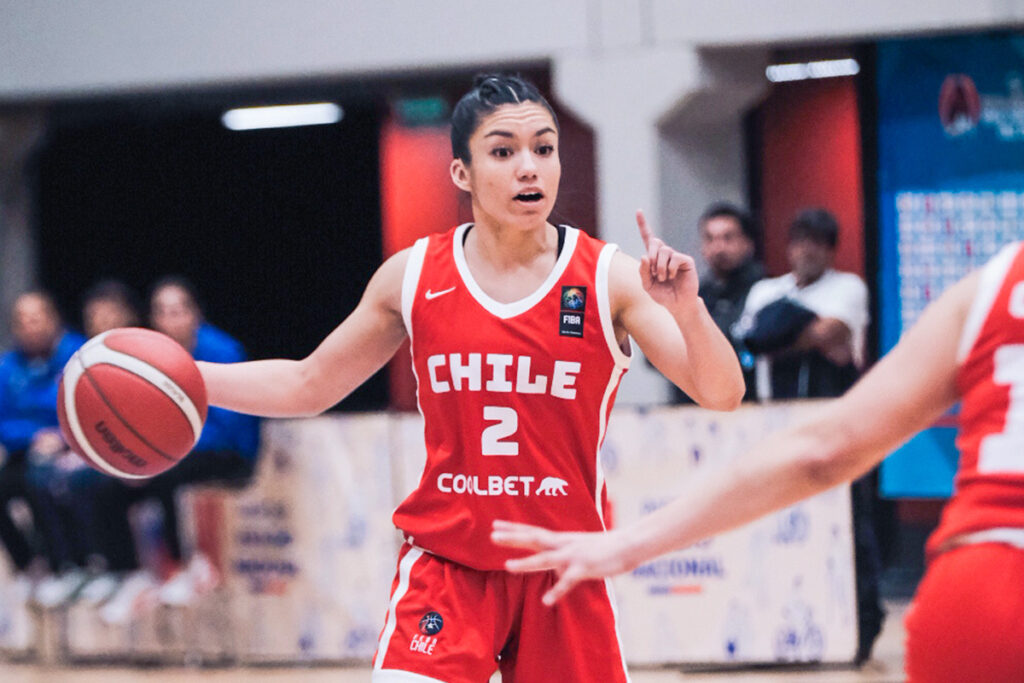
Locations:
(282, 116)
(830, 68)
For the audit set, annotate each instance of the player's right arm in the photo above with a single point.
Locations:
(903, 393)
(354, 351)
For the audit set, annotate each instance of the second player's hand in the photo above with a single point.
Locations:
(573, 556)
(669, 276)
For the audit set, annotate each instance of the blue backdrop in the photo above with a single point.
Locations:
(951, 193)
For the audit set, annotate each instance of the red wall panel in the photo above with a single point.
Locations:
(811, 157)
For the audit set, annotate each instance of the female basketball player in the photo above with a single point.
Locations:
(520, 334)
(965, 623)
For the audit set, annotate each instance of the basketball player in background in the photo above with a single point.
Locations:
(965, 622)
(520, 334)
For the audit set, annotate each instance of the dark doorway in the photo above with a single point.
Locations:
(278, 229)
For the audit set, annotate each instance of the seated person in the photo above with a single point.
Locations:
(31, 440)
(226, 452)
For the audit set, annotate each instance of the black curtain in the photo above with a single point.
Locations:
(279, 230)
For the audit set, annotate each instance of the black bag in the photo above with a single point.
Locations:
(777, 326)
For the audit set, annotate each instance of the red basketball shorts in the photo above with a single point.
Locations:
(453, 624)
(967, 620)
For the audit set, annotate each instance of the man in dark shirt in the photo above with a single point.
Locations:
(728, 245)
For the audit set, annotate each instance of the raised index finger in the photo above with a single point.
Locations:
(645, 230)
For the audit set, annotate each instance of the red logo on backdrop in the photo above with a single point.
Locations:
(959, 104)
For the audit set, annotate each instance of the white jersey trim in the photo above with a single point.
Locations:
(514, 308)
(404, 574)
(604, 305)
(411, 280)
(613, 382)
(989, 283)
(396, 676)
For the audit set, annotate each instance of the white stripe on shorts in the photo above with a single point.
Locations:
(396, 676)
(404, 572)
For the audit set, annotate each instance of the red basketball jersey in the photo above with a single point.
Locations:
(515, 398)
(989, 486)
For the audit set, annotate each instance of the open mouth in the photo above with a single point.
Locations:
(529, 197)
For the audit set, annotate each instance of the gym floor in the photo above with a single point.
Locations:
(886, 666)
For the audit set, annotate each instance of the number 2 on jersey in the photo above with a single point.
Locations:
(492, 438)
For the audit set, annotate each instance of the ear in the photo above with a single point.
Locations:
(460, 174)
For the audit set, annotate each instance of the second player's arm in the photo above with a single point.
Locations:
(356, 349)
(903, 393)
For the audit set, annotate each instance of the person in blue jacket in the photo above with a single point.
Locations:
(29, 433)
(226, 452)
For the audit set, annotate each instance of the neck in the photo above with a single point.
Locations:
(808, 280)
(503, 245)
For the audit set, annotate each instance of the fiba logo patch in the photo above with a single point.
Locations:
(570, 315)
(431, 624)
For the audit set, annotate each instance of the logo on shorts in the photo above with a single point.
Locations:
(431, 624)
(570, 315)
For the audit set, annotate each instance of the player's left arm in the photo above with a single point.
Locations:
(655, 301)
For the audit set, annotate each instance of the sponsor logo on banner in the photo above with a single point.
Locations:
(792, 526)
(962, 108)
(274, 539)
(680, 575)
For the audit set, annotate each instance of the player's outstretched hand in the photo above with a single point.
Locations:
(669, 276)
(573, 556)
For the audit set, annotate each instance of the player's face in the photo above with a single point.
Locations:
(515, 170)
(101, 315)
(809, 259)
(35, 325)
(724, 245)
(174, 314)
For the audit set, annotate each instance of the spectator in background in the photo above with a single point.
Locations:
(809, 330)
(30, 436)
(807, 327)
(226, 452)
(107, 305)
(728, 245)
(71, 488)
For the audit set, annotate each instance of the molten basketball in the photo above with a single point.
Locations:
(131, 402)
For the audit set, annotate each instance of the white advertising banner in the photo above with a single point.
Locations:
(779, 589)
(312, 550)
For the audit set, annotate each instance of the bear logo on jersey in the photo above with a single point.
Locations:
(431, 624)
(552, 486)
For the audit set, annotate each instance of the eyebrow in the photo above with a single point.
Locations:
(506, 134)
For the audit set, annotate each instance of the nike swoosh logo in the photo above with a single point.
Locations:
(433, 295)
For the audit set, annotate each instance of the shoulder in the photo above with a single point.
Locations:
(770, 287)
(850, 282)
(216, 345)
(8, 359)
(71, 340)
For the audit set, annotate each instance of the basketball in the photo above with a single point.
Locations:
(131, 403)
